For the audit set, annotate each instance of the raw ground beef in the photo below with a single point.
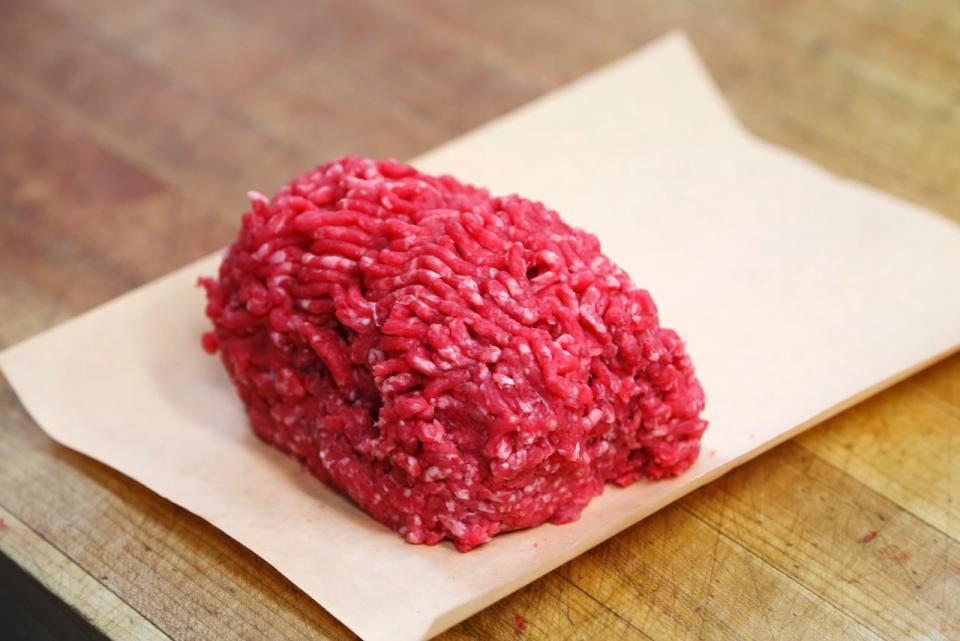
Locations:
(459, 365)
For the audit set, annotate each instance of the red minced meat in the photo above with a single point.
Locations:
(459, 364)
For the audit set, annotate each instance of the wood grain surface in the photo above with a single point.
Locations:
(130, 131)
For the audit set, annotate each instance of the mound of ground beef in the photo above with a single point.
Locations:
(459, 364)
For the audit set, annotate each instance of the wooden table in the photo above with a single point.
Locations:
(130, 131)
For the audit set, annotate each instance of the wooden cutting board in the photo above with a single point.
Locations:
(781, 548)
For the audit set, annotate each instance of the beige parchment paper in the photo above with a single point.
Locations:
(798, 293)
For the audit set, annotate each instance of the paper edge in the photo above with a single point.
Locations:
(8, 353)
(672, 38)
